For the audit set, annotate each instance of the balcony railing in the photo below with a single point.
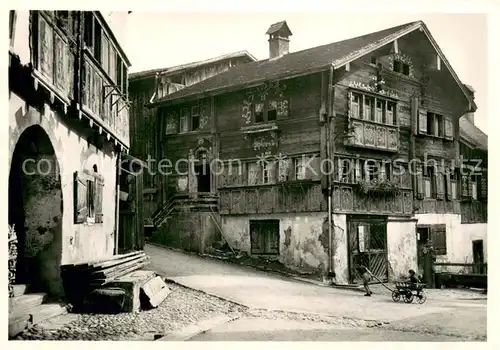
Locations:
(307, 197)
(54, 61)
(102, 100)
(369, 134)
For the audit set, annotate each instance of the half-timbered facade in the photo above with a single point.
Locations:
(68, 128)
(319, 158)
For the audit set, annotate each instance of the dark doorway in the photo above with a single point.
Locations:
(423, 235)
(367, 246)
(202, 171)
(35, 210)
(265, 237)
(478, 256)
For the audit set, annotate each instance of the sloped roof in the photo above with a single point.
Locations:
(279, 27)
(173, 69)
(303, 62)
(472, 134)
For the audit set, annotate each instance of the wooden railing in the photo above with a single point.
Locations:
(102, 100)
(369, 134)
(54, 61)
(307, 196)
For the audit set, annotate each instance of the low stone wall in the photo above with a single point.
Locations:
(12, 259)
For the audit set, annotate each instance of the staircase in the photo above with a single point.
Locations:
(163, 213)
(28, 309)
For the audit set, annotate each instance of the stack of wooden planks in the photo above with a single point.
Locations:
(86, 276)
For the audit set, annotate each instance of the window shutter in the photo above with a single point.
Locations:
(483, 186)
(448, 128)
(465, 186)
(438, 236)
(420, 184)
(422, 121)
(358, 171)
(448, 187)
(98, 200)
(439, 184)
(80, 197)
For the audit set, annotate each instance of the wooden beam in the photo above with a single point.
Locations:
(395, 46)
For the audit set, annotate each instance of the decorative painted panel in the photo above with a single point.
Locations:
(252, 203)
(392, 139)
(283, 107)
(59, 63)
(358, 132)
(266, 200)
(369, 135)
(381, 137)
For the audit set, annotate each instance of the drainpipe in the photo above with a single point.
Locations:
(117, 201)
(330, 150)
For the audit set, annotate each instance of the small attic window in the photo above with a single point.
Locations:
(373, 60)
(401, 67)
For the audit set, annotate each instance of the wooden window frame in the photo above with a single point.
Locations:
(265, 109)
(184, 120)
(88, 197)
(428, 177)
(401, 67)
(195, 115)
(377, 115)
(299, 168)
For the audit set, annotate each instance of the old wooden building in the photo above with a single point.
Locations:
(151, 85)
(321, 158)
(68, 132)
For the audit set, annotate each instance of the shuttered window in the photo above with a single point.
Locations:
(438, 236)
(88, 197)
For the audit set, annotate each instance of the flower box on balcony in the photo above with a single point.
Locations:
(378, 186)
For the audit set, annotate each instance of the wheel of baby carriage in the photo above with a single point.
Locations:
(408, 297)
(396, 296)
(421, 297)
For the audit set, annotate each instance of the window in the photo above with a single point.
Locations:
(428, 181)
(371, 170)
(355, 105)
(373, 60)
(389, 114)
(401, 67)
(98, 43)
(473, 186)
(385, 171)
(435, 125)
(195, 118)
(253, 173)
(272, 110)
(88, 197)
(184, 119)
(379, 111)
(367, 108)
(88, 36)
(266, 173)
(345, 170)
(259, 112)
(300, 169)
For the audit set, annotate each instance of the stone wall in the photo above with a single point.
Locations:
(401, 247)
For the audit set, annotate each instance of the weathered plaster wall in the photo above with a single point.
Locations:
(401, 247)
(461, 248)
(42, 198)
(74, 153)
(340, 255)
(303, 241)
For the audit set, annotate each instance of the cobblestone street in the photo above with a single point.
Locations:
(345, 315)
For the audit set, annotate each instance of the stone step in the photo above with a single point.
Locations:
(47, 311)
(19, 305)
(19, 289)
(34, 315)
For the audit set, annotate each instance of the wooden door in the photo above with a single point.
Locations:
(423, 236)
(478, 256)
(131, 226)
(367, 246)
(264, 235)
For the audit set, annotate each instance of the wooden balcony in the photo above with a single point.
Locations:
(103, 102)
(53, 64)
(373, 135)
(306, 196)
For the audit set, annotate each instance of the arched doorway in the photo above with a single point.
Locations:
(35, 208)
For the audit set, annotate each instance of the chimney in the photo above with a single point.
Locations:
(278, 39)
(470, 116)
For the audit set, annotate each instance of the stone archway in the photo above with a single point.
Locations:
(36, 210)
